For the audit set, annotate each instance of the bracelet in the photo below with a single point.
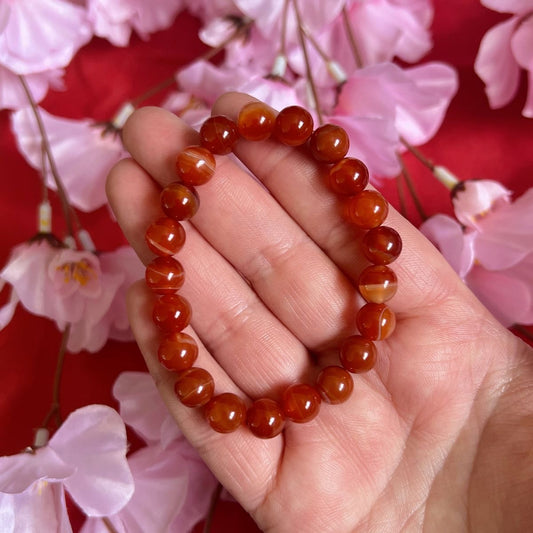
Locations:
(366, 209)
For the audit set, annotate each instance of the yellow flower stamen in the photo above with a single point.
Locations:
(80, 272)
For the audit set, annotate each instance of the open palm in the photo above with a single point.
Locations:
(270, 272)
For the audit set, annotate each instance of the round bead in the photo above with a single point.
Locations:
(301, 402)
(377, 284)
(165, 236)
(375, 321)
(195, 165)
(334, 384)
(358, 354)
(265, 418)
(219, 134)
(194, 387)
(367, 209)
(177, 351)
(172, 313)
(179, 201)
(225, 412)
(256, 121)
(165, 275)
(293, 126)
(382, 245)
(329, 143)
(349, 176)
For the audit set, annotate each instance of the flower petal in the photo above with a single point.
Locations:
(522, 47)
(93, 439)
(509, 6)
(8, 309)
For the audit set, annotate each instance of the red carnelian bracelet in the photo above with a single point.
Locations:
(366, 209)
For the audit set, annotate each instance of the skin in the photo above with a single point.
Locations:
(437, 437)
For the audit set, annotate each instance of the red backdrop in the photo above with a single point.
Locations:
(474, 142)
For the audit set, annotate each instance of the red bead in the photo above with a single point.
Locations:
(334, 384)
(293, 126)
(177, 351)
(165, 275)
(195, 165)
(349, 176)
(179, 201)
(256, 121)
(194, 387)
(172, 313)
(382, 245)
(219, 134)
(165, 236)
(367, 209)
(301, 402)
(329, 143)
(225, 412)
(375, 321)
(265, 418)
(358, 354)
(377, 284)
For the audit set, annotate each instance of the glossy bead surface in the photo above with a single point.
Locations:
(348, 177)
(375, 321)
(165, 275)
(382, 245)
(256, 121)
(377, 284)
(301, 402)
(358, 354)
(195, 165)
(165, 236)
(171, 313)
(225, 412)
(218, 134)
(334, 384)
(293, 126)
(265, 418)
(179, 201)
(177, 351)
(329, 143)
(194, 387)
(367, 209)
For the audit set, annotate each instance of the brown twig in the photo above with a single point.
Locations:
(351, 39)
(211, 513)
(411, 188)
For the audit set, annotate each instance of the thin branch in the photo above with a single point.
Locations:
(411, 188)
(418, 154)
(109, 525)
(284, 17)
(211, 513)
(401, 196)
(351, 39)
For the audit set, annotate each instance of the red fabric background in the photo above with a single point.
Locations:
(473, 142)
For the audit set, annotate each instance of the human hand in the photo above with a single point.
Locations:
(435, 437)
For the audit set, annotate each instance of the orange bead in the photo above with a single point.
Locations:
(165, 275)
(179, 201)
(165, 236)
(334, 384)
(194, 387)
(218, 134)
(171, 313)
(225, 412)
(195, 165)
(301, 402)
(329, 143)
(377, 284)
(367, 209)
(177, 351)
(349, 176)
(358, 354)
(375, 321)
(382, 245)
(265, 418)
(293, 126)
(256, 121)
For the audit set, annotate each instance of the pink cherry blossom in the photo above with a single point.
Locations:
(115, 19)
(86, 457)
(491, 248)
(82, 153)
(506, 49)
(41, 35)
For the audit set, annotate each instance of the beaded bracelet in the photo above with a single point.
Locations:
(366, 209)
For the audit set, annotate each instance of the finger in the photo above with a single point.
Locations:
(227, 314)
